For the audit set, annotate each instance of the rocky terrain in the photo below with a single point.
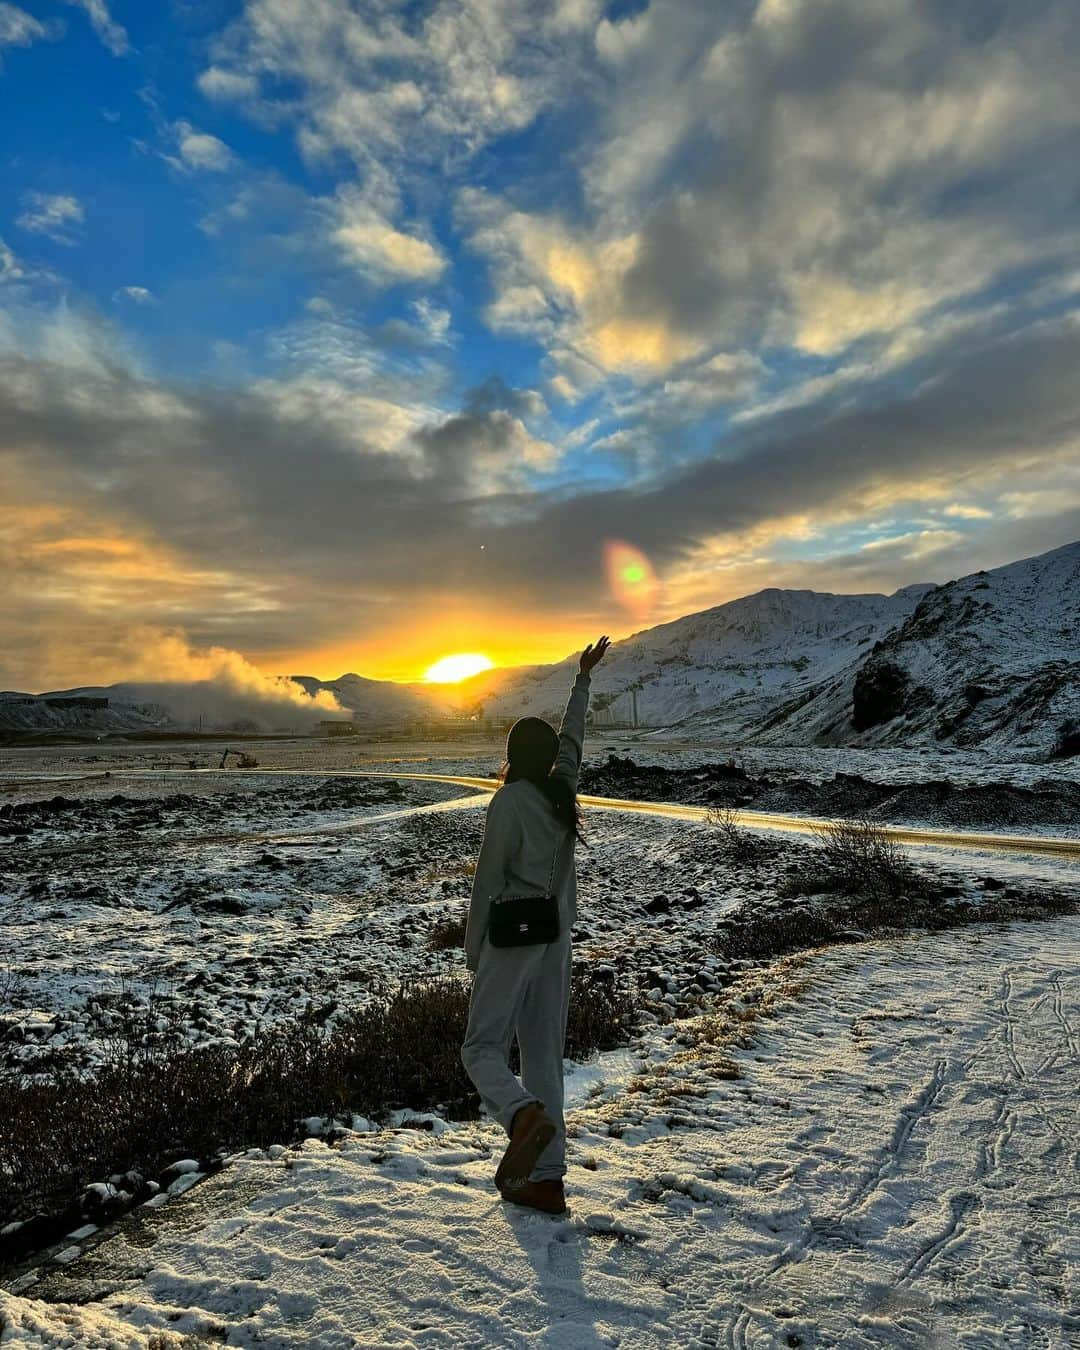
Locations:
(853, 1110)
(67, 819)
(1051, 804)
(988, 660)
(235, 930)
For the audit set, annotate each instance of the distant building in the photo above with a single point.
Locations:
(335, 728)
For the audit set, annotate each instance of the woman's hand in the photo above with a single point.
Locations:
(592, 655)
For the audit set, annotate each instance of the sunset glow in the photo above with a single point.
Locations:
(450, 669)
(375, 331)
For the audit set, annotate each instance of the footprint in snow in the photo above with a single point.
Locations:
(606, 1225)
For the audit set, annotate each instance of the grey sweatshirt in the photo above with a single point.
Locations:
(522, 832)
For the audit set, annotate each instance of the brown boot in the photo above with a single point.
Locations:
(544, 1195)
(530, 1133)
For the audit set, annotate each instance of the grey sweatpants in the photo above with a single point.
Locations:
(524, 990)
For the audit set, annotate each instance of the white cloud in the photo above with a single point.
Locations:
(825, 136)
(381, 424)
(1045, 501)
(489, 453)
(54, 215)
(433, 320)
(775, 178)
(962, 512)
(108, 30)
(565, 286)
(916, 544)
(11, 269)
(393, 90)
(330, 369)
(570, 16)
(199, 150)
(19, 29)
(575, 375)
(580, 434)
(723, 378)
(617, 41)
(376, 248)
(217, 83)
(749, 177)
(137, 295)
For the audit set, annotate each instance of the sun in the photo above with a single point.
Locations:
(450, 669)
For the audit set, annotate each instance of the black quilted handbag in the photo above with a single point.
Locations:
(525, 920)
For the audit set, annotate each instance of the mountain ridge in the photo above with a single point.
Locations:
(989, 658)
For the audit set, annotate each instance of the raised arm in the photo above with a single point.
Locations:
(502, 838)
(572, 728)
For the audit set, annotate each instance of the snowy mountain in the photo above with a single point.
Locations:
(729, 666)
(992, 659)
(273, 704)
(91, 709)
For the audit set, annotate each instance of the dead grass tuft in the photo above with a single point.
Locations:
(737, 842)
(157, 1097)
(859, 857)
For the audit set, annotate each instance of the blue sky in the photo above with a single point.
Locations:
(302, 303)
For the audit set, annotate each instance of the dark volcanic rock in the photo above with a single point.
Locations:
(848, 795)
(118, 813)
(881, 690)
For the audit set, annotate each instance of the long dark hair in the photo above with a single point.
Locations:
(531, 746)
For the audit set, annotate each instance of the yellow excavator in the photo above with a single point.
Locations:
(244, 761)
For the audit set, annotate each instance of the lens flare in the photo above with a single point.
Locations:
(631, 579)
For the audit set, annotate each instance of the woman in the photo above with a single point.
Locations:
(533, 821)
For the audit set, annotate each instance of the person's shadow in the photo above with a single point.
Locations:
(555, 1247)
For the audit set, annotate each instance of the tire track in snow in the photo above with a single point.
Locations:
(909, 1118)
(736, 1337)
(960, 1206)
(1072, 1047)
(1020, 1011)
(1000, 1132)
(963, 1205)
(1005, 1008)
(1009, 1025)
(1062, 1021)
(817, 1231)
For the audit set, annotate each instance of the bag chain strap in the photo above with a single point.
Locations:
(554, 860)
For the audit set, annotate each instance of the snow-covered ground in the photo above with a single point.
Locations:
(897, 1141)
(895, 1165)
(326, 909)
(235, 935)
(240, 934)
(25, 770)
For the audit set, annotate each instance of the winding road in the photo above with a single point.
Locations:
(1039, 845)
